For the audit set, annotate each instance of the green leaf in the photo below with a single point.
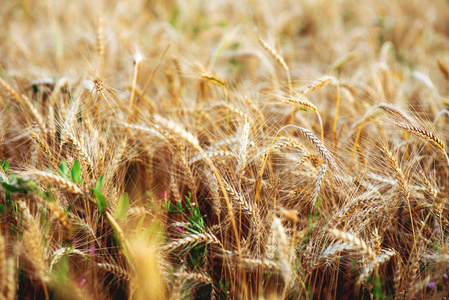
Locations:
(5, 165)
(180, 207)
(99, 183)
(101, 200)
(122, 208)
(12, 188)
(61, 270)
(76, 172)
(63, 169)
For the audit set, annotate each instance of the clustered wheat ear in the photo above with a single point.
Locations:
(181, 159)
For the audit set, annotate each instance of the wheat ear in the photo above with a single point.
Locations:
(283, 253)
(278, 58)
(192, 239)
(314, 85)
(311, 137)
(444, 69)
(299, 101)
(10, 280)
(116, 270)
(319, 183)
(52, 180)
(430, 137)
(32, 240)
(357, 242)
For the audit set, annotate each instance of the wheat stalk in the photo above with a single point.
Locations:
(3, 266)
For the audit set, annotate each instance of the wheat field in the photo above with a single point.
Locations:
(224, 149)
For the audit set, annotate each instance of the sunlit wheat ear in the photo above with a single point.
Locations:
(264, 264)
(69, 120)
(52, 180)
(314, 85)
(393, 111)
(42, 144)
(355, 241)
(413, 272)
(277, 57)
(243, 150)
(213, 79)
(397, 277)
(32, 240)
(24, 101)
(10, 287)
(189, 241)
(319, 183)
(283, 249)
(11, 91)
(80, 150)
(182, 277)
(34, 112)
(59, 253)
(300, 102)
(62, 219)
(399, 175)
(178, 130)
(430, 190)
(119, 156)
(315, 141)
(242, 203)
(381, 259)
(430, 137)
(444, 69)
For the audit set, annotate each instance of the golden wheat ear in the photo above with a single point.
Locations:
(444, 69)
(428, 136)
(275, 54)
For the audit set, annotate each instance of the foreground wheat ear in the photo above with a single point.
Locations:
(166, 150)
